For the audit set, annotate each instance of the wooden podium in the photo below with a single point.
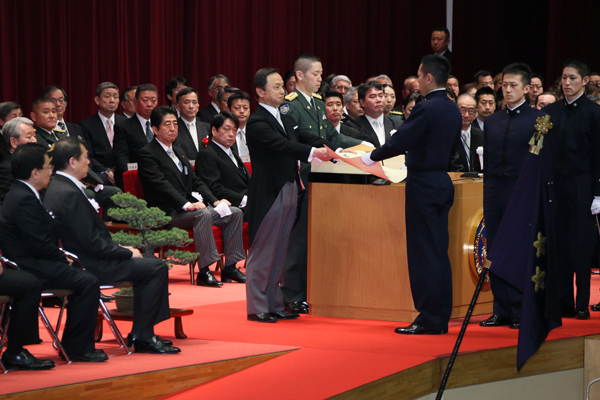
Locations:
(357, 265)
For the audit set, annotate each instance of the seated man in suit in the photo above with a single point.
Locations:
(191, 130)
(333, 107)
(214, 84)
(29, 236)
(239, 104)
(172, 88)
(8, 111)
(59, 97)
(17, 131)
(99, 130)
(171, 185)
(352, 108)
(83, 232)
(486, 105)
(43, 114)
(466, 158)
(127, 102)
(135, 133)
(219, 167)
(223, 97)
(376, 126)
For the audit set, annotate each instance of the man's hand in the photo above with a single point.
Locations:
(595, 208)
(366, 159)
(216, 203)
(136, 252)
(196, 206)
(322, 154)
(111, 177)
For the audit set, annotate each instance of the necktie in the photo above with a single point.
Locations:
(463, 137)
(230, 154)
(278, 116)
(149, 134)
(314, 106)
(174, 158)
(242, 147)
(194, 134)
(109, 132)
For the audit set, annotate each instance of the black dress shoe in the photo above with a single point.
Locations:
(262, 317)
(234, 275)
(95, 356)
(414, 329)
(495, 320)
(154, 346)
(207, 279)
(582, 313)
(285, 315)
(595, 307)
(106, 298)
(296, 307)
(131, 339)
(25, 360)
(515, 323)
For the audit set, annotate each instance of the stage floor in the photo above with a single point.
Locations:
(307, 358)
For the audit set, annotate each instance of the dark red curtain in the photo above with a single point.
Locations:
(80, 43)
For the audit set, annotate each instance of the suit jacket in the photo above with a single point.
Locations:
(350, 131)
(84, 233)
(94, 133)
(389, 125)
(44, 138)
(459, 162)
(6, 176)
(184, 138)
(274, 153)
(165, 186)
(207, 114)
(448, 55)
(223, 178)
(129, 139)
(475, 124)
(28, 234)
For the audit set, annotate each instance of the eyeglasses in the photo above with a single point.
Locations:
(470, 111)
(58, 101)
(50, 168)
(341, 87)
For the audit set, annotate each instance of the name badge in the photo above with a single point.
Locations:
(245, 159)
(192, 163)
(132, 166)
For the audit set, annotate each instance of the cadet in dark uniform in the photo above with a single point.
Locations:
(506, 143)
(430, 136)
(574, 147)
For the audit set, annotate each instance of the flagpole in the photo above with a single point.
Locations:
(482, 276)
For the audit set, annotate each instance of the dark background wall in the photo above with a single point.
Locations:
(80, 43)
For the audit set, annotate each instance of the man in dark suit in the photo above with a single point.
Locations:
(466, 158)
(333, 107)
(506, 143)
(171, 185)
(99, 130)
(128, 101)
(429, 137)
(352, 108)
(276, 145)
(239, 104)
(172, 88)
(214, 84)
(486, 105)
(135, 133)
(376, 126)
(8, 111)
(29, 236)
(16, 131)
(440, 40)
(219, 167)
(191, 129)
(83, 232)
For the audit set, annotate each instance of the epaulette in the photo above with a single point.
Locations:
(317, 96)
(58, 130)
(395, 112)
(291, 96)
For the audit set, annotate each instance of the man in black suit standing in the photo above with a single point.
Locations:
(191, 130)
(84, 233)
(276, 145)
(440, 40)
(135, 133)
(99, 130)
(214, 84)
(466, 159)
(334, 108)
(219, 167)
(429, 137)
(375, 126)
(29, 236)
(171, 184)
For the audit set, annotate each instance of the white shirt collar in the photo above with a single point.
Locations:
(274, 111)
(128, 116)
(308, 97)
(142, 122)
(570, 102)
(165, 148)
(378, 119)
(520, 104)
(338, 128)
(104, 119)
(225, 149)
(72, 178)
(37, 194)
(215, 106)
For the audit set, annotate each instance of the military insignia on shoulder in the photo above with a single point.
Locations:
(395, 112)
(285, 108)
(316, 96)
(292, 96)
(59, 130)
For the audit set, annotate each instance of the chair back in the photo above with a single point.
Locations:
(248, 167)
(132, 183)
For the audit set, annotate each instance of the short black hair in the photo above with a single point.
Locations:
(172, 85)
(159, 113)
(239, 95)
(6, 107)
(479, 74)
(581, 65)
(438, 67)
(219, 119)
(63, 150)
(212, 80)
(304, 61)
(145, 86)
(226, 89)
(185, 92)
(51, 88)
(26, 158)
(260, 78)
(39, 101)
(442, 29)
(484, 90)
(546, 94)
(520, 69)
(416, 97)
(364, 88)
(124, 93)
(535, 75)
(288, 75)
(333, 93)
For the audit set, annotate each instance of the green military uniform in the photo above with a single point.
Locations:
(396, 114)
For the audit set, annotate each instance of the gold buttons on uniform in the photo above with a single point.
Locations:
(308, 107)
(309, 127)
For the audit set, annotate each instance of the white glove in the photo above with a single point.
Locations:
(366, 159)
(595, 208)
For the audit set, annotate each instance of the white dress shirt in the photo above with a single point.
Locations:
(378, 127)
